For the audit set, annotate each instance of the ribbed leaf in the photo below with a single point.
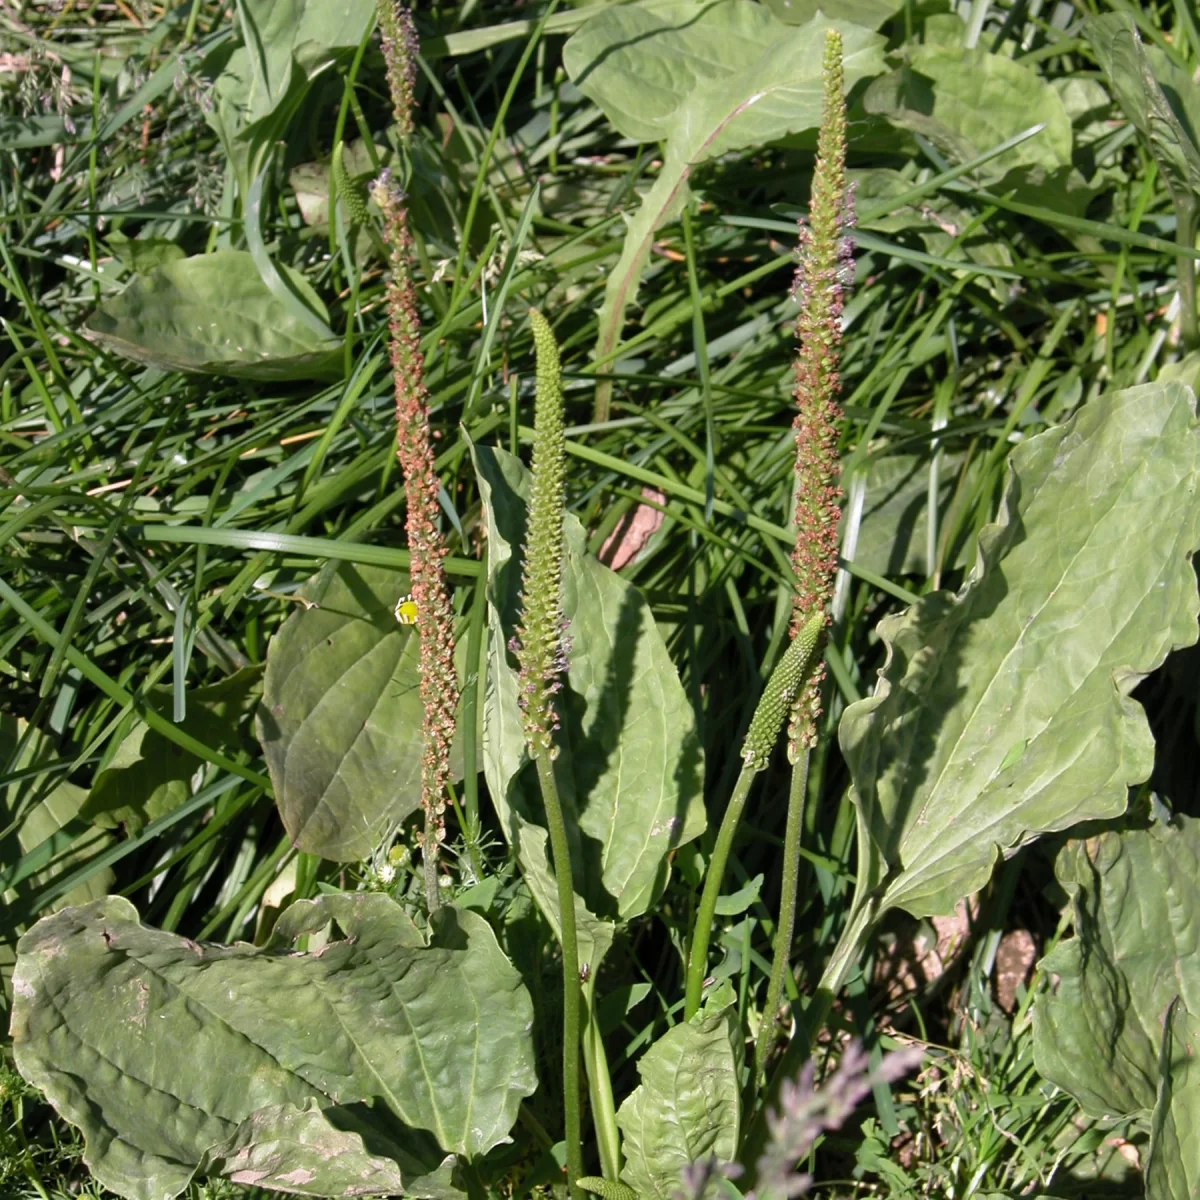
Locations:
(1173, 1166)
(1136, 899)
(979, 100)
(285, 45)
(340, 721)
(1159, 98)
(172, 1056)
(212, 313)
(1004, 712)
(707, 79)
(687, 1107)
(1115, 1026)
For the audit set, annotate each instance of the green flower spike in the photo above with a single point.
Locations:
(350, 192)
(790, 676)
(541, 643)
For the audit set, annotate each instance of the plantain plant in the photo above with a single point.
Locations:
(388, 1039)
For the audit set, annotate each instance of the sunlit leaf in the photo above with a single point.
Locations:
(213, 314)
(1081, 589)
(340, 721)
(966, 101)
(1161, 100)
(706, 79)
(687, 1106)
(394, 1052)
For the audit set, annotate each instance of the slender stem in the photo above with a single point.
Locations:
(570, 952)
(702, 933)
(1185, 236)
(604, 1108)
(476, 667)
(433, 900)
(786, 925)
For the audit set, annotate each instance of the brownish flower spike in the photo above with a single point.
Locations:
(435, 618)
(399, 38)
(824, 270)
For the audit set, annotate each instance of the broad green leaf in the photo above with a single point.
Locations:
(312, 1151)
(340, 721)
(687, 1106)
(35, 807)
(630, 762)
(149, 776)
(1160, 99)
(285, 45)
(982, 99)
(213, 314)
(226, 1054)
(967, 100)
(1173, 1165)
(1098, 1028)
(870, 14)
(1114, 1026)
(707, 79)
(1004, 712)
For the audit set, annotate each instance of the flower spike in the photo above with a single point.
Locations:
(824, 271)
(433, 615)
(399, 37)
(542, 643)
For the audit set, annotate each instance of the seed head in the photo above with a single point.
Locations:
(825, 268)
(435, 617)
(400, 45)
(542, 644)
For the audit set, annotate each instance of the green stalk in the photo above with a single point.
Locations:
(560, 849)
(788, 680)
(786, 926)
(1185, 238)
(698, 958)
(470, 714)
(542, 645)
(604, 1109)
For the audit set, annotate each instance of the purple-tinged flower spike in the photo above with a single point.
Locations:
(542, 644)
(399, 37)
(435, 617)
(805, 1112)
(825, 269)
